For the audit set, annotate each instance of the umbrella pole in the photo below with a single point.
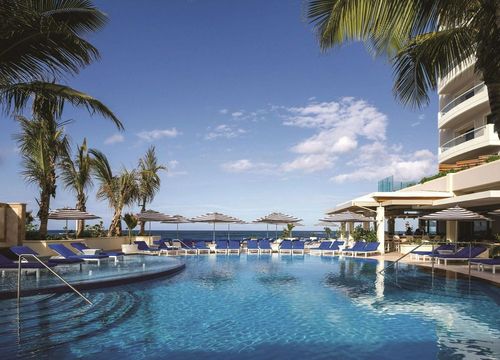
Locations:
(67, 229)
(276, 232)
(228, 228)
(177, 231)
(213, 237)
(267, 231)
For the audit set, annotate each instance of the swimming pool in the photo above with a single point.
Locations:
(264, 307)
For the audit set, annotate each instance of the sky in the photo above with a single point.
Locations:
(247, 113)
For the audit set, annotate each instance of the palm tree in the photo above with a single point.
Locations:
(119, 190)
(148, 179)
(287, 232)
(42, 142)
(424, 39)
(328, 232)
(76, 176)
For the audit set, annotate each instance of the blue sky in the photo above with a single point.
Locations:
(244, 109)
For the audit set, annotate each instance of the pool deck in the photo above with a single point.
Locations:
(449, 270)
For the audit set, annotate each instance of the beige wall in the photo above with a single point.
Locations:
(12, 224)
(111, 243)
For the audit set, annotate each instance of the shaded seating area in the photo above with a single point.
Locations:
(323, 246)
(369, 249)
(66, 253)
(463, 254)
(85, 250)
(482, 263)
(358, 246)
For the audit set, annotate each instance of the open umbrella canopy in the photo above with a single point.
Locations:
(346, 216)
(71, 214)
(214, 218)
(277, 218)
(495, 212)
(151, 215)
(455, 213)
(177, 219)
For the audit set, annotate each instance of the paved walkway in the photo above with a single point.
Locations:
(450, 269)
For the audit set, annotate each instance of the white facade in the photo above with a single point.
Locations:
(464, 133)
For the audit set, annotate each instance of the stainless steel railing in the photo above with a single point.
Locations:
(19, 269)
(396, 263)
(462, 97)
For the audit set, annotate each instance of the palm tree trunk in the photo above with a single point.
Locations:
(115, 228)
(80, 205)
(43, 212)
(142, 224)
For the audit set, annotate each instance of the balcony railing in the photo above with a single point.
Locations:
(462, 97)
(469, 135)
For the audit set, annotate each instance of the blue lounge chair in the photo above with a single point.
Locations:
(358, 246)
(19, 250)
(66, 253)
(112, 254)
(369, 249)
(334, 248)
(298, 247)
(7, 264)
(285, 247)
(265, 246)
(144, 247)
(201, 248)
(187, 248)
(221, 247)
(463, 254)
(233, 247)
(481, 263)
(426, 254)
(325, 245)
(253, 247)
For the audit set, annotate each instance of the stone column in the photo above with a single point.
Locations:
(381, 228)
(451, 231)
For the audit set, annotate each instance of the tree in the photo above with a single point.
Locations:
(425, 40)
(287, 232)
(328, 232)
(131, 222)
(41, 143)
(119, 190)
(148, 180)
(76, 176)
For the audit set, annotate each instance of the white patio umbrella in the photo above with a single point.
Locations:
(455, 213)
(346, 216)
(214, 218)
(71, 214)
(177, 219)
(277, 218)
(152, 216)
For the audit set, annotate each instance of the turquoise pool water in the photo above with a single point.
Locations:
(251, 307)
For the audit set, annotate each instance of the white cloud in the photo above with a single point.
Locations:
(245, 165)
(172, 164)
(341, 126)
(114, 139)
(158, 134)
(223, 111)
(416, 123)
(376, 161)
(224, 131)
(309, 163)
(421, 117)
(237, 114)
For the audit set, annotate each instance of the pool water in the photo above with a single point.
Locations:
(264, 307)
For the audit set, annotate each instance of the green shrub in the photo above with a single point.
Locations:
(359, 234)
(493, 158)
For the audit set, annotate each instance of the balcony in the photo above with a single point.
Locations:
(457, 76)
(482, 140)
(473, 102)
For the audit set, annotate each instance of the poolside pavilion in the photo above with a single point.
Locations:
(477, 189)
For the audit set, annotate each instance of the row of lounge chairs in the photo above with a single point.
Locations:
(445, 253)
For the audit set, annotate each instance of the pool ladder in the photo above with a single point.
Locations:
(396, 263)
(19, 269)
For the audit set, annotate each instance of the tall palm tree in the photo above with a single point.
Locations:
(119, 190)
(42, 142)
(424, 39)
(76, 176)
(148, 179)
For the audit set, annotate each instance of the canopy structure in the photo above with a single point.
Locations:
(277, 218)
(71, 214)
(455, 213)
(214, 218)
(495, 212)
(177, 219)
(346, 216)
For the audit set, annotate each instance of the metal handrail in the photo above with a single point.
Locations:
(399, 259)
(478, 132)
(23, 256)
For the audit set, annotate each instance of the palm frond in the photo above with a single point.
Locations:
(16, 96)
